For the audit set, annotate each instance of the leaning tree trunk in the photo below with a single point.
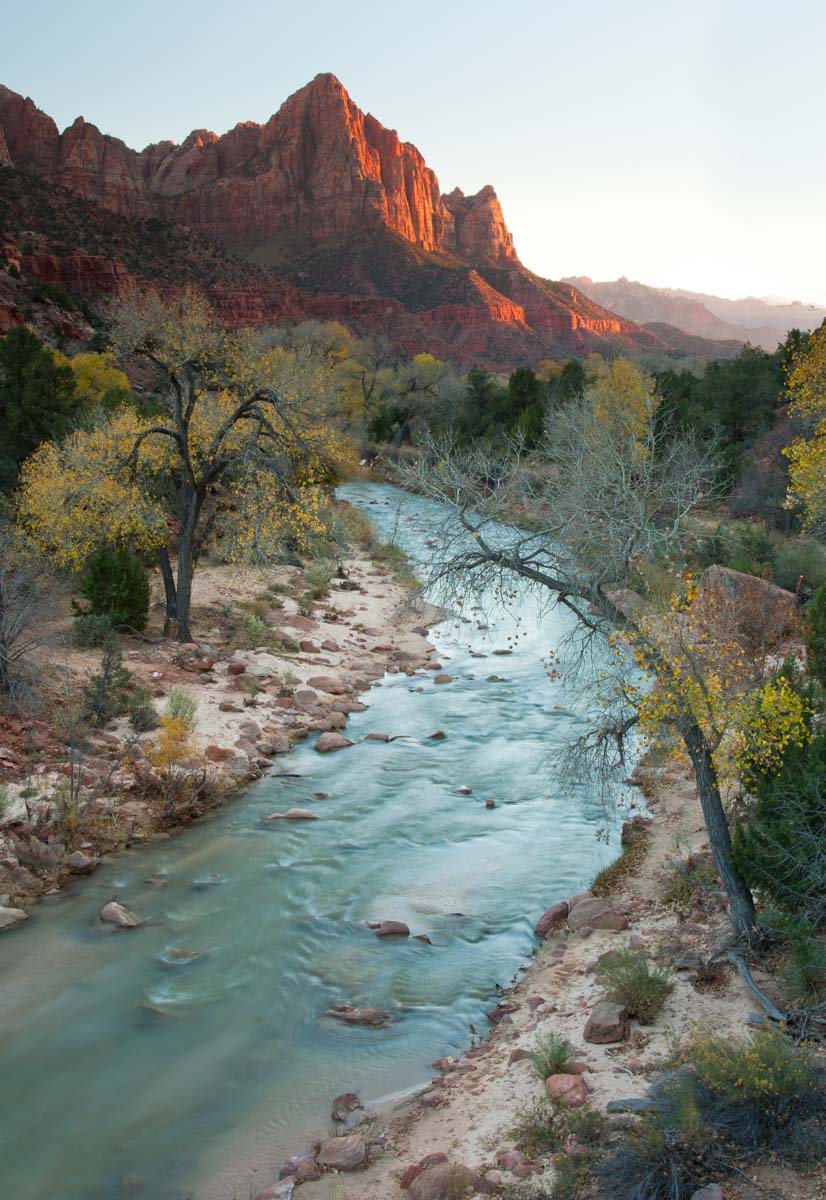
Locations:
(170, 591)
(740, 898)
(186, 563)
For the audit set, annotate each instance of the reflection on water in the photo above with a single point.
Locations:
(182, 1058)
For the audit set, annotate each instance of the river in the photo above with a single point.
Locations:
(128, 1072)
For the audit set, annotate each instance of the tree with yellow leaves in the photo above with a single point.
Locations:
(806, 387)
(239, 451)
(98, 378)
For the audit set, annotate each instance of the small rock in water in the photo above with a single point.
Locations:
(443, 679)
(115, 914)
(293, 814)
(322, 795)
(393, 929)
(462, 790)
(208, 881)
(359, 1016)
(490, 804)
(438, 736)
(328, 742)
(345, 1104)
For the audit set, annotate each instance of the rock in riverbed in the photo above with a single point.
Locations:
(293, 814)
(115, 914)
(393, 929)
(12, 916)
(359, 1016)
(552, 918)
(345, 1104)
(331, 741)
(344, 1153)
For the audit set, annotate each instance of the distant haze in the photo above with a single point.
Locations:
(680, 146)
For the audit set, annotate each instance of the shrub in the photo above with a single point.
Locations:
(553, 1055)
(655, 1162)
(780, 847)
(305, 603)
(761, 1094)
(181, 706)
(690, 880)
(106, 695)
(803, 981)
(816, 635)
(143, 715)
(801, 563)
(115, 583)
(254, 631)
(536, 1130)
(317, 576)
(633, 980)
(91, 629)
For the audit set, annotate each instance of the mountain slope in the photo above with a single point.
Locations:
(700, 314)
(330, 209)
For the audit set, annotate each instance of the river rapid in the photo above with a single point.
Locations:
(130, 1072)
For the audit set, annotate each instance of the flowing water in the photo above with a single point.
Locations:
(130, 1071)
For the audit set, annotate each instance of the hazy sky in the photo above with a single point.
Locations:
(677, 143)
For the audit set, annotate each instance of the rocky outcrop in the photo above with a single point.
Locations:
(334, 201)
(319, 165)
(479, 230)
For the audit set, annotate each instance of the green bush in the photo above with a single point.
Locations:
(181, 705)
(633, 980)
(800, 563)
(115, 584)
(803, 980)
(816, 635)
(780, 846)
(317, 576)
(106, 695)
(143, 715)
(254, 630)
(690, 881)
(90, 629)
(552, 1055)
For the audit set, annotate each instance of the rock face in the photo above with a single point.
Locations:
(319, 165)
(353, 215)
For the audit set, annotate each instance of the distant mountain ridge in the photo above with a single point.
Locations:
(339, 216)
(701, 314)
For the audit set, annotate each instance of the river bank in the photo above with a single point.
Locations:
(481, 1108)
(269, 672)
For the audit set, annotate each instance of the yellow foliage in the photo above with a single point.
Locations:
(622, 395)
(95, 375)
(697, 662)
(73, 494)
(807, 455)
(174, 748)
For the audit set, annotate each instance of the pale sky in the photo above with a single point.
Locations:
(681, 144)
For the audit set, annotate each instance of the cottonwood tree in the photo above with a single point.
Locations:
(608, 496)
(241, 445)
(807, 453)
